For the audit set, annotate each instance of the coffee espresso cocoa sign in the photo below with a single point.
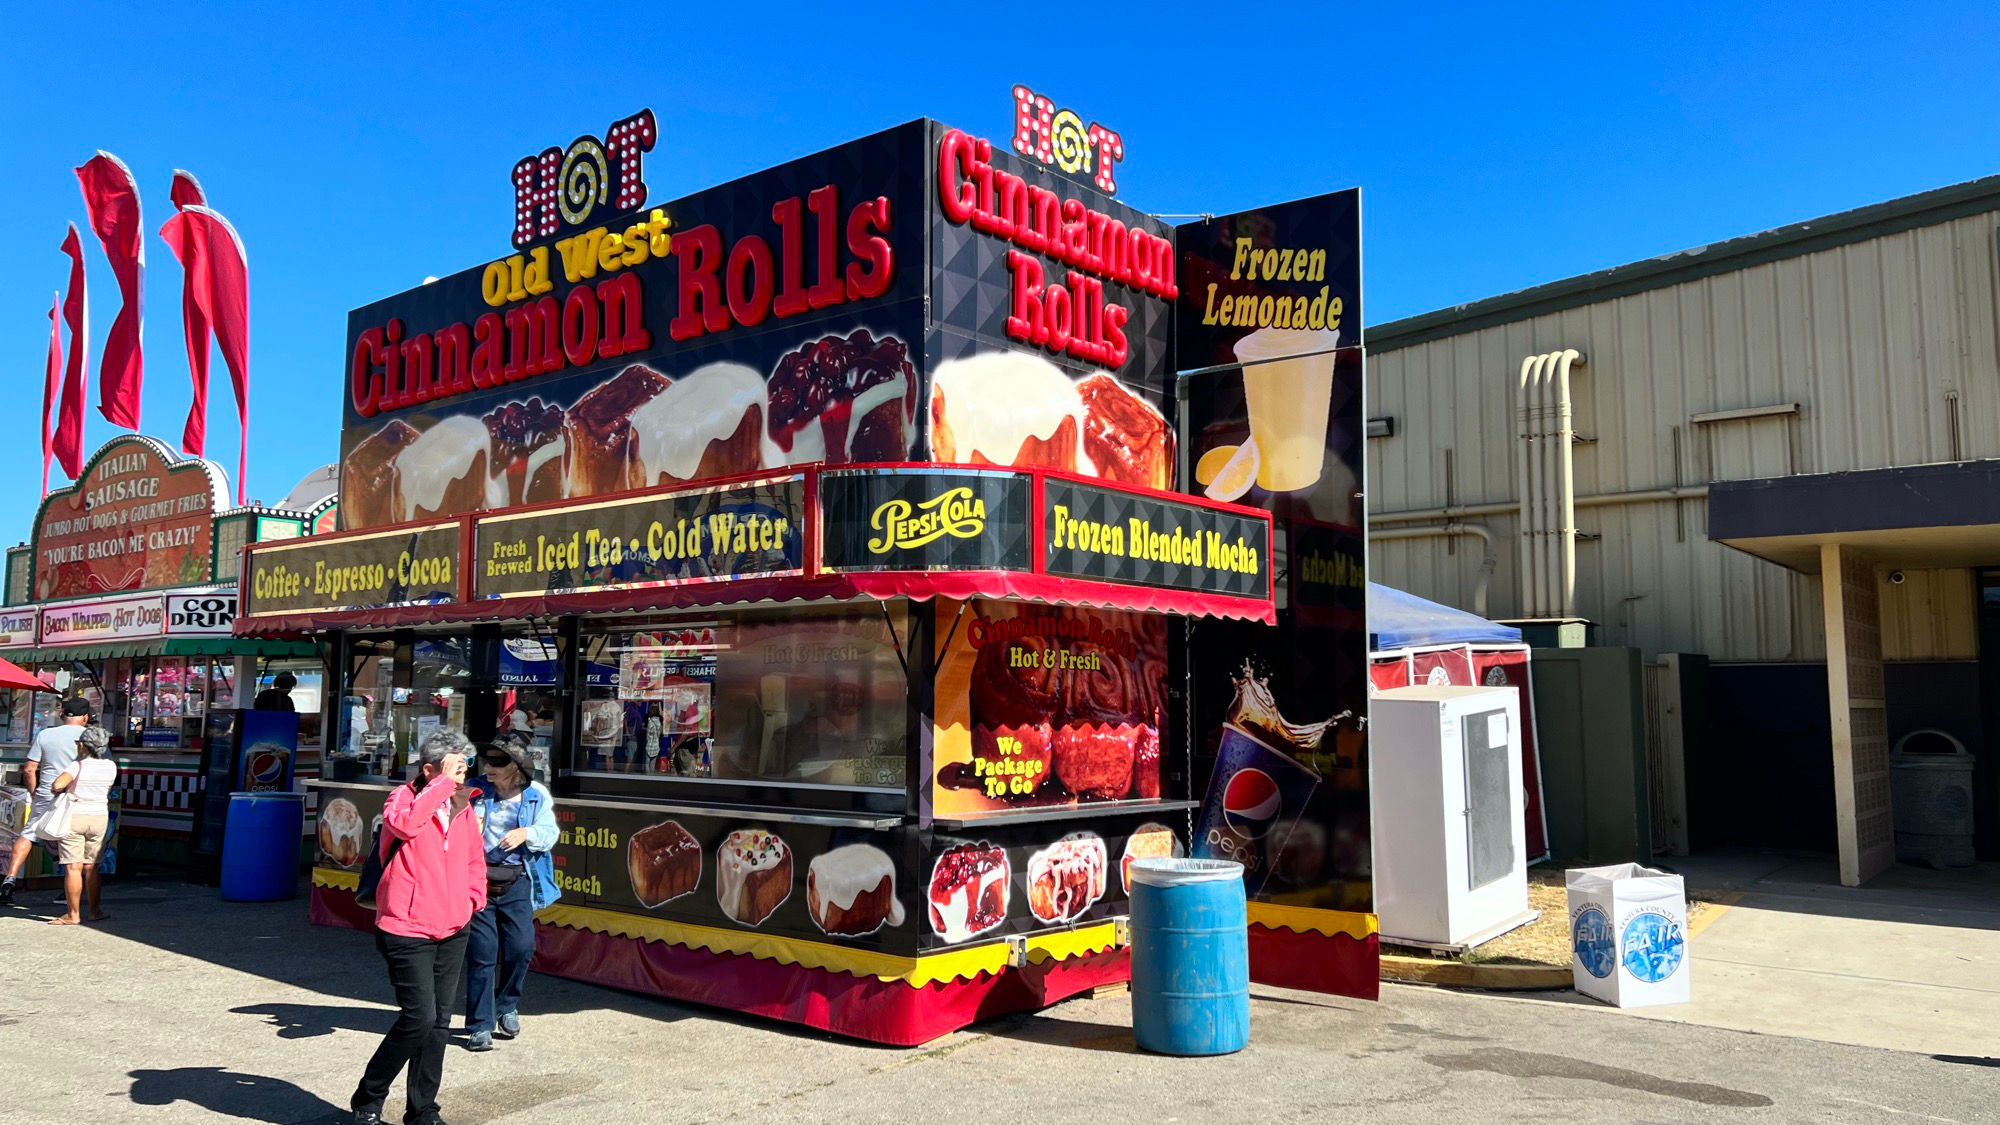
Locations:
(750, 530)
(138, 518)
(924, 519)
(411, 566)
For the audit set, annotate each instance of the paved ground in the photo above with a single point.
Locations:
(1910, 962)
(186, 1009)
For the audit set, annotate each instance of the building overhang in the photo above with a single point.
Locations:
(1944, 515)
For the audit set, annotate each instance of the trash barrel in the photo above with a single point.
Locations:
(1930, 786)
(260, 846)
(1190, 957)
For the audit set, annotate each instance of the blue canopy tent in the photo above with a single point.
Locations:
(1412, 640)
(1398, 620)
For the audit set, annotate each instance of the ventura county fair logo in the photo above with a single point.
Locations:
(560, 189)
(1058, 138)
(903, 526)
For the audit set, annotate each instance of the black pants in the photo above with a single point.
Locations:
(425, 975)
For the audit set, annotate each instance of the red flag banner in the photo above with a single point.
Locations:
(218, 273)
(68, 445)
(186, 190)
(111, 198)
(51, 387)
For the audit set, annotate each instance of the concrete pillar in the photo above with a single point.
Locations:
(1860, 723)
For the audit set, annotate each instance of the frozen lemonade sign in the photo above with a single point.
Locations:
(138, 519)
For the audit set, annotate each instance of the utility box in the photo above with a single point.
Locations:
(1448, 813)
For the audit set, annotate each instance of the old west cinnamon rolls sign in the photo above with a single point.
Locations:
(915, 295)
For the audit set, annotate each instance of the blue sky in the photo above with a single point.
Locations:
(359, 149)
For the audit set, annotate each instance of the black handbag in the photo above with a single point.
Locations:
(371, 871)
(501, 877)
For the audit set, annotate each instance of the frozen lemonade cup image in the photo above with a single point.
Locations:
(1287, 394)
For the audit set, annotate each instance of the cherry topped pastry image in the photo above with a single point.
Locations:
(841, 399)
(527, 446)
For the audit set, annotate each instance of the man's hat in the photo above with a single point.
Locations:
(75, 705)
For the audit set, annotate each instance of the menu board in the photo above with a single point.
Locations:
(409, 566)
(754, 529)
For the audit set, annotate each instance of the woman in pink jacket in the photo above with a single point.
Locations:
(430, 889)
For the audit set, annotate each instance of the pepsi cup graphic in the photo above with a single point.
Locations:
(1255, 796)
(265, 767)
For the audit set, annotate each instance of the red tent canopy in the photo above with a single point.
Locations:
(12, 675)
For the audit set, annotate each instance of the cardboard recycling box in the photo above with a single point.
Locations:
(1628, 935)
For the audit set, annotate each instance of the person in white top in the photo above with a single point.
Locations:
(88, 782)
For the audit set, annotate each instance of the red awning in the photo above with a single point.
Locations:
(14, 676)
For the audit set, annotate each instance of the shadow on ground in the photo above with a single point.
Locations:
(247, 1097)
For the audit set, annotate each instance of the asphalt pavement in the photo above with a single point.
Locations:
(183, 1008)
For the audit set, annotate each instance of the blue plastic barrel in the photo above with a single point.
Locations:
(1190, 957)
(260, 846)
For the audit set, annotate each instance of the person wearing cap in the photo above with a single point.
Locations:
(519, 819)
(88, 781)
(277, 697)
(53, 752)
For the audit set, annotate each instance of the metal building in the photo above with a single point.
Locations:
(1678, 450)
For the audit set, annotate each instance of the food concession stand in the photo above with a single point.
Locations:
(124, 596)
(824, 530)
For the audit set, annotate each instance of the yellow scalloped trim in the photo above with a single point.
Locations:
(915, 971)
(1306, 919)
(932, 968)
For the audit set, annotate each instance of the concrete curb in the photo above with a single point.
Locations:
(1459, 974)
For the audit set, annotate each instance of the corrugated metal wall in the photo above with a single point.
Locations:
(1882, 343)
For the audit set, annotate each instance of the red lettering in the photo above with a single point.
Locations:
(827, 289)
(364, 379)
(579, 326)
(702, 309)
(788, 214)
(955, 195)
(1114, 333)
(750, 256)
(454, 360)
(395, 395)
(869, 277)
(534, 340)
(416, 360)
(489, 357)
(625, 331)
(1027, 322)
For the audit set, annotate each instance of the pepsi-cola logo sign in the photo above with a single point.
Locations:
(1251, 802)
(264, 767)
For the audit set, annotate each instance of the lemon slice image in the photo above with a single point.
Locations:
(1212, 462)
(1236, 475)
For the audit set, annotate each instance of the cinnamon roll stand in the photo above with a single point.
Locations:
(836, 573)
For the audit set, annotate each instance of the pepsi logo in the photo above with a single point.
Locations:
(1250, 802)
(265, 767)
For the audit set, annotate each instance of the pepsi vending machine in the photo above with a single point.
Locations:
(244, 752)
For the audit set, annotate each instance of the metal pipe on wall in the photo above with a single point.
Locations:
(1566, 446)
(1524, 425)
(1488, 563)
(1513, 507)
